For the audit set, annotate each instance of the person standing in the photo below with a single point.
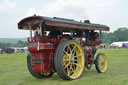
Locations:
(37, 34)
(37, 37)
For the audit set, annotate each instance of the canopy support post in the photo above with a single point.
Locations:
(30, 33)
(100, 35)
(40, 29)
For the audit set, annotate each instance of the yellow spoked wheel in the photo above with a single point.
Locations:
(69, 60)
(101, 63)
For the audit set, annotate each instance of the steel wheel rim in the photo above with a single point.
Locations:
(102, 63)
(73, 60)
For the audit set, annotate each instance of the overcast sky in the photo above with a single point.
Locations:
(113, 13)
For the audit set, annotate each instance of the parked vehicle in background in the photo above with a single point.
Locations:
(121, 44)
(6, 50)
(14, 50)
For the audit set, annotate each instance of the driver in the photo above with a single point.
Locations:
(37, 34)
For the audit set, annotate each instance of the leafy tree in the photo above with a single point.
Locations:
(5, 45)
(121, 34)
(18, 44)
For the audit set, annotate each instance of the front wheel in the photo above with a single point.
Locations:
(101, 63)
(69, 60)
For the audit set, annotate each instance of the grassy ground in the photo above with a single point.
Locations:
(13, 71)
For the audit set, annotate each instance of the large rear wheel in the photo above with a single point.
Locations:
(37, 75)
(101, 63)
(69, 60)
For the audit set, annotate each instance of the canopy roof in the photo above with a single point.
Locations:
(58, 23)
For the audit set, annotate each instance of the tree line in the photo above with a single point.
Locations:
(18, 44)
(121, 34)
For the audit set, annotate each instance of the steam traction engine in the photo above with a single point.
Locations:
(66, 46)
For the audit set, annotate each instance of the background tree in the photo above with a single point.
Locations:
(121, 34)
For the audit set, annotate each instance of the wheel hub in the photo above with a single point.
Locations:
(102, 63)
(72, 59)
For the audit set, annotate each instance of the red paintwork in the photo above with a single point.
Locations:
(58, 24)
(93, 43)
(44, 39)
(47, 47)
(44, 61)
(35, 38)
(36, 64)
(45, 53)
(88, 52)
(32, 47)
(63, 38)
(48, 60)
(43, 56)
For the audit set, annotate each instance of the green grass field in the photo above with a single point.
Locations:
(13, 71)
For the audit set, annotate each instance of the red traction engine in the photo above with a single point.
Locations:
(65, 46)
